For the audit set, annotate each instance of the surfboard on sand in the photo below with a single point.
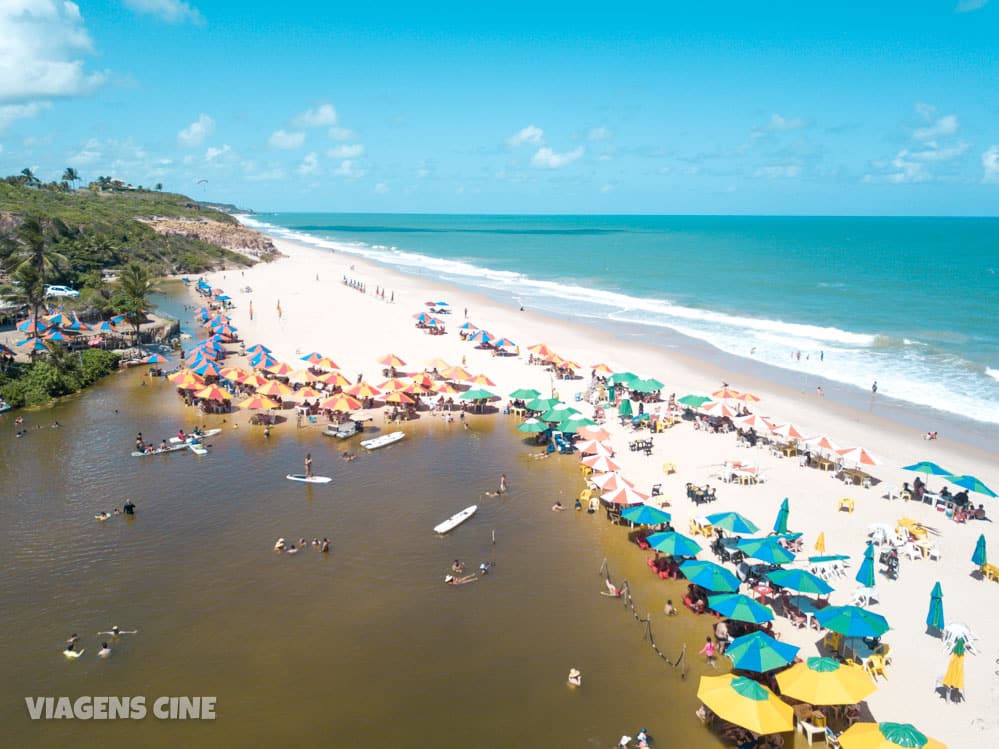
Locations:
(308, 479)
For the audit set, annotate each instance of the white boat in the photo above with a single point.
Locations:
(308, 479)
(158, 451)
(382, 440)
(343, 431)
(189, 438)
(197, 448)
(455, 520)
(4, 407)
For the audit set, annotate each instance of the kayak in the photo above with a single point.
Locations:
(455, 520)
(197, 448)
(190, 437)
(382, 441)
(308, 479)
(159, 451)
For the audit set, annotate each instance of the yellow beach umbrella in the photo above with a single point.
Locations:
(541, 349)
(340, 402)
(304, 394)
(601, 368)
(456, 373)
(302, 377)
(820, 543)
(746, 703)
(234, 373)
(954, 678)
(395, 383)
(886, 736)
(325, 363)
(256, 403)
(255, 379)
(826, 681)
(439, 364)
(214, 393)
(274, 388)
(335, 379)
(482, 380)
(391, 360)
(398, 397)
(280, 369)
(363, 390)
(444, 388)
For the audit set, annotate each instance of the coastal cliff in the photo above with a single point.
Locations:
(234, 237)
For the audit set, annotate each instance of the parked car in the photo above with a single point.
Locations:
(61, 291)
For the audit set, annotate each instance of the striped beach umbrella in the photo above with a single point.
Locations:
(645, 515)
(340, 402)
(758, 651)
(257, 403)
(275, 388)
(746, 703)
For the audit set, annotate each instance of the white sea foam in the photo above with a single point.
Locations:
(993, 373)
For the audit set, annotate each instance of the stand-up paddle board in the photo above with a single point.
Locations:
(455, 520)
(308, 479)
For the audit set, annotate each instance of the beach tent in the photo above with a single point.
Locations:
(624, 408)
(524, 394)
(626, 495)
(391, 360)
(954, 678)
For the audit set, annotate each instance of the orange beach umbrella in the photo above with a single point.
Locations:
(257, 403)
(280, 369)
(438, 364)
(274, 388)
(325, 363)
(335, 379)
(593, 433)
(363, 390)
(214, 393)
(340, 402)
(601, 368)
(304, 394)
(482, 380)
(302, 376)
(398, 397)
(601, 463)
(394, 383)
(391, 360)
(456, 373)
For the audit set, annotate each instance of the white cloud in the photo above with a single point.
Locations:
(112, 156)
(937, 154)
(967, 6)
(353, 151)
(546, 158)
(342, 133)
(285, 140)
(778, 171)
(933, 144)
(41, 43)
(777, 122)
(320, 117)
(530, 134)
(309, 165)
(194, 134)
(990, 163)
(11, 112)
(381, 188)
(946, 125)
(599, 133)
(349, 170)
(171, 11)
(213, 153)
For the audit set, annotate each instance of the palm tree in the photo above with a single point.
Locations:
(33, 251)
(71, 175)
(28, 177)
(131, 298)
(28, 289)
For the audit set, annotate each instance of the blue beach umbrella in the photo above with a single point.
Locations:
(766, 550)
(740, 607)
(261, 360)
(865, 575)
(732, 522)
(800, 581)
(207, 367)
(256, 348)
(979, 557)
(972, 484)
(674, 544)
(780, 524)
(710, 576)
(927, 467)
(155, 359)
(760, 652)
(852, 621)
(935, 616)
(645, 515)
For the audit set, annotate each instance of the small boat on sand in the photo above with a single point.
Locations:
(455, 520)
(382, 440)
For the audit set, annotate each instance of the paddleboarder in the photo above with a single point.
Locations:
(308, 465)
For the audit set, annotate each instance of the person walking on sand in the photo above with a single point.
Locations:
(279, 309)
(308, 465)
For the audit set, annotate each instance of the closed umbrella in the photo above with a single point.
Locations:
(745, 703)
(740, 607)
(865, 575)
(759, 652)
(954, 678)
(646, 515)
(624, 408)
(732, 522)
(766, 550)
(886, 736)
(979, 556)
(935, 616)
(391, 360)
(820, 543)
(780, 524)
(674, 544)
(710, 576)
(826, 681)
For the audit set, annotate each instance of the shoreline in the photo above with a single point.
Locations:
(320, 312)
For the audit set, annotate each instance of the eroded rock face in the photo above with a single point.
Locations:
(233, 237)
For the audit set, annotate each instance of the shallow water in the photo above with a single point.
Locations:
(365, 644)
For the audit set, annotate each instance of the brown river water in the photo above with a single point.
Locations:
(365, 645)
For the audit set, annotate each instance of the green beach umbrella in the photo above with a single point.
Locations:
(740, 607)
(619, 377)
(979, 557)
(645, 386)
(780, 524)
(972, 484)
(525, 394)
(732, 522)
(935, 616)
(476, 394)
(865, 575)
(928, 468)
(694, 401)
(766, 550)
(645, 515)
(579, 420)
(852, 621)
(886, 736)
(624, 408)
(540, 404)
(759, 652)
(800, 581)
(558, 412)
(710, 576)
(673, 544)
(533, 426)
(567, 426)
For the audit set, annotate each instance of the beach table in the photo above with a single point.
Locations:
(856, 477)
(824, 464)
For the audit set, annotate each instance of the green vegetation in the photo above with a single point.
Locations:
(60, 374)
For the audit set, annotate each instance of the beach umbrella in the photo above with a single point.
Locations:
(234, 374)
(155, 359)
(340, 402)
(579, 420)
(825, 681)
(601, 368)
(325, 363)
(717, 408)
(852, 621)
(674, 544)
(214, 393)
(398, 397)
(935, 616)
(469, 326)
(979, 556)
(483, 336)
(972, 484)
(753, 421)
(601, 463)
(788, 431)
(865, 574)
(726, 393)
(257, 403)
(740, 607)
(758, 651)
(800, 581)
(594, 447)
(7, 351)
(694, 401)
(559, 411)
(732, 522)
(274, 388)
(505, 343)
(645, 386)
(262, 360)
(363, 390)
(747, 398)
(457, 374)
(335, 379)
(886, 736)
(181, 375)
(533, 426)
(255, 380)
(624, 408)
(477, 394)
(541, 404)
(207, 367)
(304, 394)
(558, 361)
(746, 703)
(820, 543)
(954, 678)
(302, 376)
(312, 358)
(780, 524)
(859, 456)
(626, 495)
(394, 383)
(540, 349)
(822, 443)
(442, 388)
(928, 468)
(766, 549)
(609, 482)
(280, 369)
(645, 515)
(710, 576)
(391, 360)
(524, 394)
(594, 433)
(31, 325)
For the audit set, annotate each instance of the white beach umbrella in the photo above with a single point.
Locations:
(753, 421)
(626, 495)
(858, 455)
(788, 431)
(821, 442)
(719, 408)
(601, 463)
(595, 447)
(608, 482)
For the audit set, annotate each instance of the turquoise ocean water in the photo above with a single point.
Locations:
(910, 302)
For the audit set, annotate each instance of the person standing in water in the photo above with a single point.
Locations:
(874, 388)
(308, 465)
(502, 486)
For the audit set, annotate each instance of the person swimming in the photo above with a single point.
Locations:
(575, 677)
(105, 651)
(116, 630)
(102, 516)
(291, 549)
(279, 545)
(452, 580)
(71, 653)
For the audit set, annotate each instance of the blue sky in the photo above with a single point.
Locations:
(785, 108)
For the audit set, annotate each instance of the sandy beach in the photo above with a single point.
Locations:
(318, 312)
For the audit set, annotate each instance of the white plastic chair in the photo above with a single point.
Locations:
(934, 552)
